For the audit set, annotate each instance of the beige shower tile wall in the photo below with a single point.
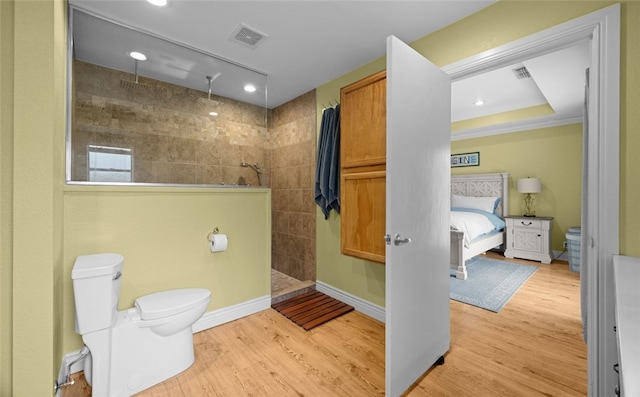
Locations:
(172, 137)
(293, 161)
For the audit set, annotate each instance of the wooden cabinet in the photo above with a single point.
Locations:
(363, 168)
(529, 238)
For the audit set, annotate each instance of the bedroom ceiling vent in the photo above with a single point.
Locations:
(247, 36)
(522, 73)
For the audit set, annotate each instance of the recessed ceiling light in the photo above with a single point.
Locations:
(250, 88)
(213, 114)
(159, 3)
(479, 102)
(138, 55)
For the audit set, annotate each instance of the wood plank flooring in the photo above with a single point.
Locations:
(532, 347)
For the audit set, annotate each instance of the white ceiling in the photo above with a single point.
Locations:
(307, 44)
(557, 78)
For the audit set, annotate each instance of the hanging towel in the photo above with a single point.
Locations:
(327, 186)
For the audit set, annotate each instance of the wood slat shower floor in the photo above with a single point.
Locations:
(311, 309)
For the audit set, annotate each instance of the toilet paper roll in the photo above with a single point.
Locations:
(218, 242)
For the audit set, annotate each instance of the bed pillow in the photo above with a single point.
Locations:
(487, 204)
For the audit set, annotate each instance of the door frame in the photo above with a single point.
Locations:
(602, 29)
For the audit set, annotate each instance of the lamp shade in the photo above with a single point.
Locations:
(529, 185)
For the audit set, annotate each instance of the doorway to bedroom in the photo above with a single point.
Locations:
(599, 197)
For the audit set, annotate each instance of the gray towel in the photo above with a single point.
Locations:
(327, 186)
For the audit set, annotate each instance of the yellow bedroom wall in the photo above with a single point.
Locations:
(493, 26)
(552, 154)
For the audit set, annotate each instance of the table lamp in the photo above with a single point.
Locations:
(528, 186)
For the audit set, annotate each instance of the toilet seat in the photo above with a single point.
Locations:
(169, 303)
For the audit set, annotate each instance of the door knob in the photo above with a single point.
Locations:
(400, 240)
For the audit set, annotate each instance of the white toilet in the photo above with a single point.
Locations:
(133, 349)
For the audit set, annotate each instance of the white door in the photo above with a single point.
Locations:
(418, 185)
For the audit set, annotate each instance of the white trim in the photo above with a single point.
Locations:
(560, 256)
(514, 126)
(361, 305)
(77, 366)
(602, 28)
(231, 313)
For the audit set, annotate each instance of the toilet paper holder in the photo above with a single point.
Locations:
(211, 233)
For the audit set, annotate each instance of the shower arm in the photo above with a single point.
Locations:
(210, 78)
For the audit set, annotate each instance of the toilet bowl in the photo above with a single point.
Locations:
(133, 349)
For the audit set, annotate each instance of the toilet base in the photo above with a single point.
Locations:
(139, 358)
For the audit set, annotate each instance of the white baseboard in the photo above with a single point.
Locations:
(77, 366)
(361, 305)
(230, 313)
(208, 320)
(561, 255)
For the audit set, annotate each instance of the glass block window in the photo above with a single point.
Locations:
(109, 164)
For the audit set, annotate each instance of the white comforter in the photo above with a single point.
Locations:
(471, 223)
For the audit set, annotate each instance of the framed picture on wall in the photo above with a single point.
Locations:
(465, 159)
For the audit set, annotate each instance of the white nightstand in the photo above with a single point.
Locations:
(528, 238)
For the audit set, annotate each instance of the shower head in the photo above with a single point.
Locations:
(255, 168)
(134, 85)
(207, 104)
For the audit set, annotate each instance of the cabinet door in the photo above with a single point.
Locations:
(362, 216)
(363, 115)
(527, 240)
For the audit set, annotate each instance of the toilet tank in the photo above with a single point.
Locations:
(96, 288)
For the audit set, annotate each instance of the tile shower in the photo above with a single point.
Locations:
(171, 142)
(293, 161)
(170, 139)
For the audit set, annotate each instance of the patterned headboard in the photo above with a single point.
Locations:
(484, 185)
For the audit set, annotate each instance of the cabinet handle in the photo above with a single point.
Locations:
(616, 390)
(526, 224)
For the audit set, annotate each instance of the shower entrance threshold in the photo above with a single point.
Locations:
(284, 287)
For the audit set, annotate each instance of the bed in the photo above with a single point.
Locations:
(464, 189)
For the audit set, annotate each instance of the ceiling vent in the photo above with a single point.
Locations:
(522, 73)
(247, 36)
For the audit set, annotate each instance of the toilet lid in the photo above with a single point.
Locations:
(168, 303)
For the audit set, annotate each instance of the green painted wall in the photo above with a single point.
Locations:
(6, 196)
(32, 173)
(44, 225)
(493, 26)
(162, 234)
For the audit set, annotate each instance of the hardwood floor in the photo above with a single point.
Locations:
(532, 347)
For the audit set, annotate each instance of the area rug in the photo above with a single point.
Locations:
(490, 283)
(311, 309)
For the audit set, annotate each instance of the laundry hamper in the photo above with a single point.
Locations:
(573, 245)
